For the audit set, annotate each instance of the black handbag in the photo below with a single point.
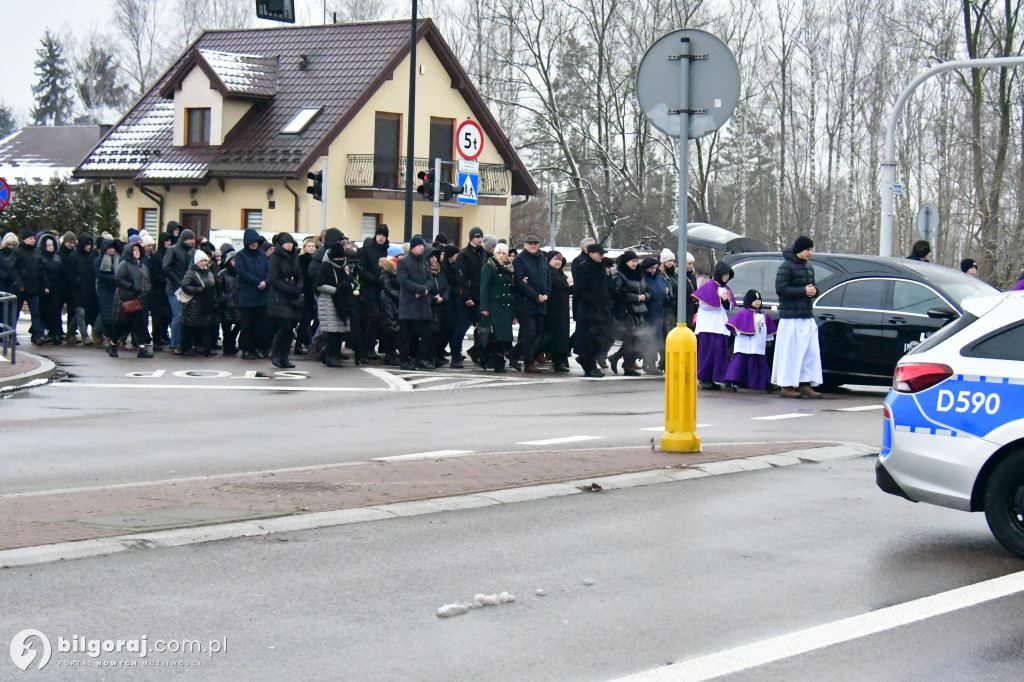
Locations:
(481, 339)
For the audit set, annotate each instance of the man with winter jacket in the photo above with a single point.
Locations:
(414, 312)
(252, 268)
(23, 270)
(797, 363)
(591, 307)
(177, 261)
(370, 254)
(532, 287)
(467, 295)
(68, 242)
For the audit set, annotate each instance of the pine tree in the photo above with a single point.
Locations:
(8, 122)
(101, 92)
(54, 101)
(106, 211)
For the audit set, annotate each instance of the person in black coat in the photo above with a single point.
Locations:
(83, 303)
(304, 333)
(199, 315)
(555, 341)
(414, 312)
(630, 305)
(591, 306)
(157, 301)
(466, 295)
(532, 287)
(229, 317)
(285, 283)
(389, 324)
(797, 364)
(132, 279)
(104, 267)
(373, 250)
(445, 337)
(51, 299)
(23, 270)
(438, 293)
(178, 259)
(337, 305)
(7, 246)
(68, 242)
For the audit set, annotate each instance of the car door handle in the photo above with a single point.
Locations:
(896, 320)
(826, 317)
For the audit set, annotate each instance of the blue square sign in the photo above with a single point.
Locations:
(470, 183)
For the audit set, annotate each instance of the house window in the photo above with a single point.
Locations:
(386, 145)
(252, 218)
(148, 221)
(370, 223)
(197, 122)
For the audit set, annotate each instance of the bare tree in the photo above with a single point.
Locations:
(138, 25)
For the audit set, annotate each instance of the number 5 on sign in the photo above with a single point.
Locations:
(469, 140)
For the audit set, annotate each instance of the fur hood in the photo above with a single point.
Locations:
(386, 265)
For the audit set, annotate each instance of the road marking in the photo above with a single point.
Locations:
(436, 454)
(558, 441)
(235, 387)
(862, 408)
(803, 641)
(662, 428)
(790, 415)
(394, 383)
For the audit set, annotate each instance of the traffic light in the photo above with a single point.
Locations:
(316, 187)
(427, 188)
(448, 190)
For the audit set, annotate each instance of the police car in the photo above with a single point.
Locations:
(954, 419)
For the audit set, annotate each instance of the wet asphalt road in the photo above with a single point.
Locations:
(679, 571)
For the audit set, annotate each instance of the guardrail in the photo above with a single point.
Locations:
(367, 171)
(8, 327)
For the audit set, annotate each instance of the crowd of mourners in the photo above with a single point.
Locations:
(408, 305)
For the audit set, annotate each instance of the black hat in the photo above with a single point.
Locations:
(450, 250)
(751, 296)
(382, 229)
(607, 262)
(968, 263)
(441, 238)
(531, 239)
(648, 262)
(333, 235)
(417, 240)
(476, 232)
(802, 243)
(284, 238)
(26, 234)
(627, 256)
(920, 249)
(596, 248)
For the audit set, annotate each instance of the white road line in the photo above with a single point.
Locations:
(822, 636)
(236, 387)
(790, 415)
(558, 441)
(394, 383)
(436, 454)
(662, 428)
(862, 408)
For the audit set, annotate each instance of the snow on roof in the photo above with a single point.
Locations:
(246, 74)
(174, 171)
(131, 144)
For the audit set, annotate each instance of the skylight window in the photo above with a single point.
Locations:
(301, 120)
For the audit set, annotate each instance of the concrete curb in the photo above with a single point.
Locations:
(36, 377)
(81, 549)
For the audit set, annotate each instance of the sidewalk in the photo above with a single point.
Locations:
(27, 368)
(32, 519)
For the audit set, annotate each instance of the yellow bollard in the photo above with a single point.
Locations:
(680, 392)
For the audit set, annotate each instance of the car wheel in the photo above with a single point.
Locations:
(1004, 502)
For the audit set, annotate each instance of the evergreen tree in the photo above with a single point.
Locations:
(8, 122)
(106, 212)
(54, 100)
(101, 92)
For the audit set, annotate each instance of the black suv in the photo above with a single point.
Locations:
(870, 310)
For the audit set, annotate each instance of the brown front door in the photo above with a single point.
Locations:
(197, 221)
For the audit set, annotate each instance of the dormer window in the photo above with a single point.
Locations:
(197, 125)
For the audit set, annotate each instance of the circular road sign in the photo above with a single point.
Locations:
(928, 221)
(714, 83)
(5, 194)
(469, 139)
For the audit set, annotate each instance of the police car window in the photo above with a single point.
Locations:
(868, 294)
(911, 297)
(948, 330)
(1006, 344)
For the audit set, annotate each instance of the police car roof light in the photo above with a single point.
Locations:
(918, 376)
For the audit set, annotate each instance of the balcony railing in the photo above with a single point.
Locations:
(366, 171)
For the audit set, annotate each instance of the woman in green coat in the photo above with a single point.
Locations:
(496, 306)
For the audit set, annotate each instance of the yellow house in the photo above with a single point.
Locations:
(226, 137)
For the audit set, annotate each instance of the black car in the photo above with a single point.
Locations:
(870, 310)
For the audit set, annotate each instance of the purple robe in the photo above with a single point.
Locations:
(743, 322)
(707, 293)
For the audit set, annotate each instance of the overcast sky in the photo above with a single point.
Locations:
(24, 23)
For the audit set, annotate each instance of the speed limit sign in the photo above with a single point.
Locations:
(469, 140)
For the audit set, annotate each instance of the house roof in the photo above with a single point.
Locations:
(284, 70)
(44, 152)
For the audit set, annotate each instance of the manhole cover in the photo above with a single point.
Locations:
(286, 487)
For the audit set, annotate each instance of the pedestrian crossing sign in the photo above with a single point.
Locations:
(470, 183)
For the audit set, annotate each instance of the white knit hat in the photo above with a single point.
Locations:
(200, 256)
(689, 257)
(667, 255)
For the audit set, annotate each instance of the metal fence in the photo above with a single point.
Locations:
(8, 327)
(366, 171)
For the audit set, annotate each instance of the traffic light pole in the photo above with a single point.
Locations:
(437, 199)
(323, 197)
(410, 146)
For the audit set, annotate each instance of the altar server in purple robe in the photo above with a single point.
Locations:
(714, 299)
(752, 327)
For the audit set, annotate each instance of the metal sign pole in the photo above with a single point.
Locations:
(684, 172)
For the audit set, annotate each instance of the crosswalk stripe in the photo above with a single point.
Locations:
(557, 441)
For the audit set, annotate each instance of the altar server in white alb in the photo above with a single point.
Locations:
(797, 355)
(752, 327)
(714, 299)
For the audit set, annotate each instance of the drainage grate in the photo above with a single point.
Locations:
(286, 487)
